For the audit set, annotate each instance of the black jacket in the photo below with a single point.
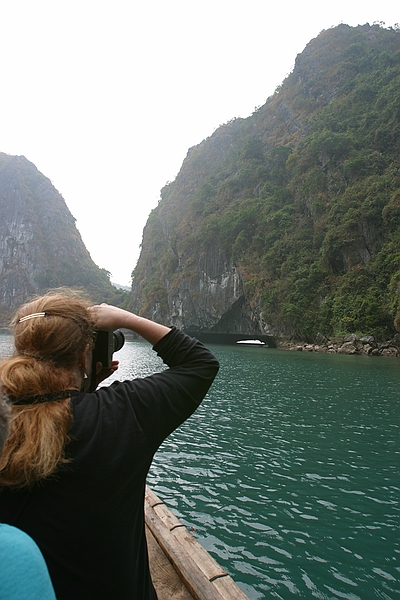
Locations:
(88, 519)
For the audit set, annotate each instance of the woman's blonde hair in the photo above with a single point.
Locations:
(49, 347)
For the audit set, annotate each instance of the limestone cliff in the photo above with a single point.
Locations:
(40, 246)
(288, 222)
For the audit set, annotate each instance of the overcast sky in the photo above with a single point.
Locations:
(106, 98)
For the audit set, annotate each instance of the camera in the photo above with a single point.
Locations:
(105, 344)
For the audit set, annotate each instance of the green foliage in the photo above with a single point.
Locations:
(302, 197)
(359, 305)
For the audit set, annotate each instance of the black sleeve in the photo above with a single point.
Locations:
(164, 400)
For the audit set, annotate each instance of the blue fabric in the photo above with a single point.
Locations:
(23, 571)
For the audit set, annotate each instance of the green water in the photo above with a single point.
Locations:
(289, 472)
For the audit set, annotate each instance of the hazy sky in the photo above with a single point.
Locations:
(106, 98)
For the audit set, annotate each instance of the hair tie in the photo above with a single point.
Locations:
(45, 397)
(35, 356)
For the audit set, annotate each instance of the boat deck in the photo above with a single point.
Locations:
(181, 568)
(166, 580)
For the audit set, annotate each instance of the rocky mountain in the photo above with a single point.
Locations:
(288, 222)
(40, 246)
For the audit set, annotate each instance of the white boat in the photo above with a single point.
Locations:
(252, 343)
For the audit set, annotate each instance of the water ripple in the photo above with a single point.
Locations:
(287, 475)
(288, 472)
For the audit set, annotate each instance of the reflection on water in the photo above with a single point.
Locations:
(288, 472)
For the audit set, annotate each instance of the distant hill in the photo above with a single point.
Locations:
(288, 222)
(40, 246)
(120, 286)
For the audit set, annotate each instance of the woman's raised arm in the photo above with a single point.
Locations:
(109, 318)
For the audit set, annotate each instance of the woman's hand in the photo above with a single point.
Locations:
(103, 373)
(110, 318)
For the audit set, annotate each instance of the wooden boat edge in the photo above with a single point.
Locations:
(200, 573)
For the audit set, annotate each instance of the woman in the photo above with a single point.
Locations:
(74, 468)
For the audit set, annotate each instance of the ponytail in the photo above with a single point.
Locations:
(51, 335)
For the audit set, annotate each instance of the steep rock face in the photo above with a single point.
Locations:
(26, 231)
(287, 222)
(40, 247)
(196, 288)
(200, 303)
